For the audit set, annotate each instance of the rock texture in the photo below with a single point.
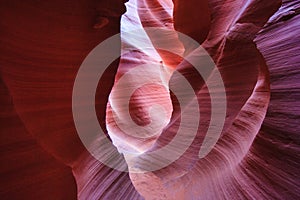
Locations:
(254, 44)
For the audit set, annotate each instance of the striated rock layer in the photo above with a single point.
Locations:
(254, 45)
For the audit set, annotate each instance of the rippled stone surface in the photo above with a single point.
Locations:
(255, 46)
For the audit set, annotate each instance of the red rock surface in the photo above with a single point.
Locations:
(255, 46)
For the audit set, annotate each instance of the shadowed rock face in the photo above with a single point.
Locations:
(254, 45)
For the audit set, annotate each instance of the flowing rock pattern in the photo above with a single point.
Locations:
(255, 46)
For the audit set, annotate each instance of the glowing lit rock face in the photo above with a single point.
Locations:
(254, 45)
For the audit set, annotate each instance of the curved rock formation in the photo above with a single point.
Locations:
(142, 104)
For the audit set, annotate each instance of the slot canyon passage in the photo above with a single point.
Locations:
(150, 99)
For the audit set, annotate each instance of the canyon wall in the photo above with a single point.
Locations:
(244, 145)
